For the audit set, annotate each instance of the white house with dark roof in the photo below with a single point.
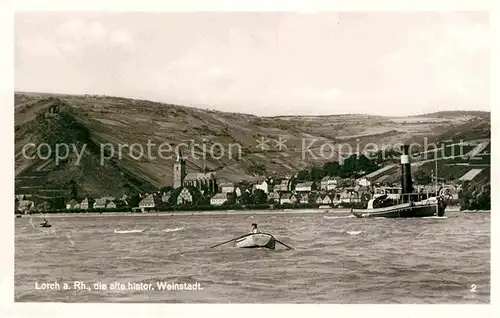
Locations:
(319, 199)
(326, 199)
(149, 202)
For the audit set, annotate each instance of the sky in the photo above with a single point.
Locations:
(263, 63)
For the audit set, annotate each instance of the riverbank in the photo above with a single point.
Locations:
(338, 212)
(194, 213)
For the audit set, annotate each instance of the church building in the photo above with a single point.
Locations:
(204, 181)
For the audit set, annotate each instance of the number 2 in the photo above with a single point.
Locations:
(473, 287)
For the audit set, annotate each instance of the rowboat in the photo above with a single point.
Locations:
(256, 240)
(45, 225)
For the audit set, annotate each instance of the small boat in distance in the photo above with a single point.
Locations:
(45, 223)
(256, 240)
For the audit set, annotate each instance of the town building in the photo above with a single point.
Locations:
(326, 199)
(72, 205)
(87, 204)
(329, 183)
(286, 185)
(111, 205)
(26, 206)
(294, 198)
(227, 187)
(304, 198)
(307, 186)
(149, 202)
(273, 197)
(285, 197)
(203, 181)
(165, 197)
(349, 196)
(179, 171)
(264, 186)
(238, 192)
(100, 203)
(185, 197)
(319, 200)
(364, 182)
(218, 199)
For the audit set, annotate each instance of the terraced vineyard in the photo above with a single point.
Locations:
(103, 123)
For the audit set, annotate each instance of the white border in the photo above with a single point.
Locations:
(11, 309)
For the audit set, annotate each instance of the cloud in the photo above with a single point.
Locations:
(77, 32)
(40, 46)
(332, 94)
(460, 60)
(82, 31)
(121, 37)
(263, 62)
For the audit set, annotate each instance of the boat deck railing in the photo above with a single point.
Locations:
(414, 197)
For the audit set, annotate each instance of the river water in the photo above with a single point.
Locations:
(336, 259)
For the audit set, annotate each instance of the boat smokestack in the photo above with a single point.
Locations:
(406, 183)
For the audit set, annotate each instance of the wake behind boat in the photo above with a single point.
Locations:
(409, 204)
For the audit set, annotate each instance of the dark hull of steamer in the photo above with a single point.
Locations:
(405, 210)
(410, 204)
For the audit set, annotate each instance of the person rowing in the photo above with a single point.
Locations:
(255, 230)
(45, 222)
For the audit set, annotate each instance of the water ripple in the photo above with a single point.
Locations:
(336, 259)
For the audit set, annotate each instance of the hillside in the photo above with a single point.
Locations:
(94, 121)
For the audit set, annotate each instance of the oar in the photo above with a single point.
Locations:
(291, 248)
(234, 239)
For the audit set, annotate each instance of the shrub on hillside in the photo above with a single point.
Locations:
(475, 196)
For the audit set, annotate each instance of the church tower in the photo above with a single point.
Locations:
(179, 170)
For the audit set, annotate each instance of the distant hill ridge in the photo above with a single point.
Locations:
(96, 120)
